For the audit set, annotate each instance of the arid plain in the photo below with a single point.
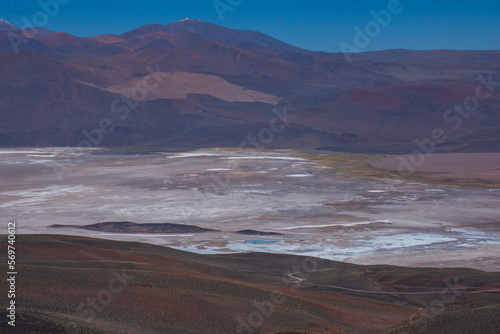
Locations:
(343, 207)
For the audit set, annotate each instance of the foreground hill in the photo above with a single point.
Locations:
(152, 82)
(84, 285)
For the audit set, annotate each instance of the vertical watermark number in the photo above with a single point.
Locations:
(11, 273)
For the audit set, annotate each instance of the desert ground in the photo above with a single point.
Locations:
(335, 206)
(73, 284)
(462, 168)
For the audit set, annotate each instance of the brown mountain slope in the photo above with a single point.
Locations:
(102, 286)
(178, 85)
(71, 45)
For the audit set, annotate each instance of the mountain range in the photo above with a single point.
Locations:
(193, 84)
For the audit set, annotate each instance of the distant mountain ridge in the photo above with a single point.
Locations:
(7, 26)
(58, 87)
(210, 31)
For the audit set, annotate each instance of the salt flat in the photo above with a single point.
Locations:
(321, 211)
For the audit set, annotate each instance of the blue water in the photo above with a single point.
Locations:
(259, 241)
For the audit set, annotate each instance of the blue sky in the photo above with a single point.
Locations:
(312, 24)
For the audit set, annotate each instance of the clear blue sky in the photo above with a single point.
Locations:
(312, 24)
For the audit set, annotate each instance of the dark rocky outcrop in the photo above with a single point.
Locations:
(128, 227)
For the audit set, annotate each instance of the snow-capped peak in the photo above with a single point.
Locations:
(7, 24)
(187, 19)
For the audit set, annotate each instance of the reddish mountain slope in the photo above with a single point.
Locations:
(164, 290)
(71, 45)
